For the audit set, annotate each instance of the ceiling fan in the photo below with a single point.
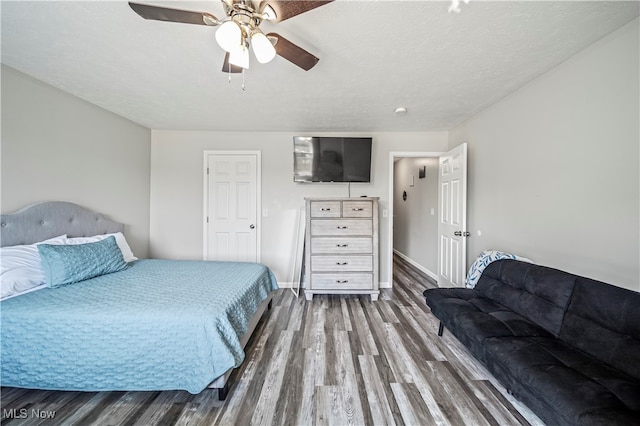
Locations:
(241, 29)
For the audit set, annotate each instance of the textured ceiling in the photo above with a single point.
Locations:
(374, 57)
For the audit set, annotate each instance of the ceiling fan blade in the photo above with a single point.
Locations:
(230, 68)
(293, 53)
(174, 15)
(286, 9)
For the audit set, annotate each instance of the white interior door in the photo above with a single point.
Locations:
(452, 218)
(231, 207)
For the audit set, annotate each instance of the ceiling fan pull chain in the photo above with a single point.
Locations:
(243, 80)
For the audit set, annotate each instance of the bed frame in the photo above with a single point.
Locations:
(39, 222)
(42, 221)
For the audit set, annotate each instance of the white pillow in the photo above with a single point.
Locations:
(21, 269)
(127, 254)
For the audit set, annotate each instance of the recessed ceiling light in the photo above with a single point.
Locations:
(401, 111)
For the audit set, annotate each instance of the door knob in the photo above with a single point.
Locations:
(252, 226)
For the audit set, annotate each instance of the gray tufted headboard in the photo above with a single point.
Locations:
(41, 221)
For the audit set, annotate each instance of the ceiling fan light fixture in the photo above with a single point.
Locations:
(229, 36)
(262, 47)
(240, 29)
(240, 57)
(269, 14)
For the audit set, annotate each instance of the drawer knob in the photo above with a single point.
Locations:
(359, 209)
(325, 209)
(342, 281)
(342, 263)
(342, 227)
(342, 245)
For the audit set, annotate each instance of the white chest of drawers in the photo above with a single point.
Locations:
(341, 243)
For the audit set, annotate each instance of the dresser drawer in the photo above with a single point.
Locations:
(341, 227)
(342, 281)
(325, 209)
(341, 263)
(357, 209)
(337, 245)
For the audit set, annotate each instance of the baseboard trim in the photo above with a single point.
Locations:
(416, 265)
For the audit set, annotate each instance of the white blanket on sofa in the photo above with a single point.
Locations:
(484, 259)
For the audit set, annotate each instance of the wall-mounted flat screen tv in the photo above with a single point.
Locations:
(331, 159)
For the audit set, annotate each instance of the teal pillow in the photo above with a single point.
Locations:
(67, 264)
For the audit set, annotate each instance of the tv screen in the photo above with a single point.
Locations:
(331, 159)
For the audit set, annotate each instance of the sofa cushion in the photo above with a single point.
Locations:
(604, 321)
(472, 317)
(538, 293)
(569, 382)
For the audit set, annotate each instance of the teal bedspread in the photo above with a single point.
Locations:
(158, 325)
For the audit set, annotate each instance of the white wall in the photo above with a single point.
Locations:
(553, 174)
(177, 186)
(58, 147)
(554, 167)
(415, 230)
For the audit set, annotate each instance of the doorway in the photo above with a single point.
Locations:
(231, 206)
(449, 209)
(413, 210)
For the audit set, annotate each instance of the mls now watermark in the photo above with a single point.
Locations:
(23, 413)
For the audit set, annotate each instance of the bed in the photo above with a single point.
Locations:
(152, 325)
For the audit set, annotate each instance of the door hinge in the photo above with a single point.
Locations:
(207, 219)
(207, 170)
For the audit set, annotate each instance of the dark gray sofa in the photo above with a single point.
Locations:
(568, 347)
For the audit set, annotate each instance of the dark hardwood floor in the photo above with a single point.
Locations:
(337, 360)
